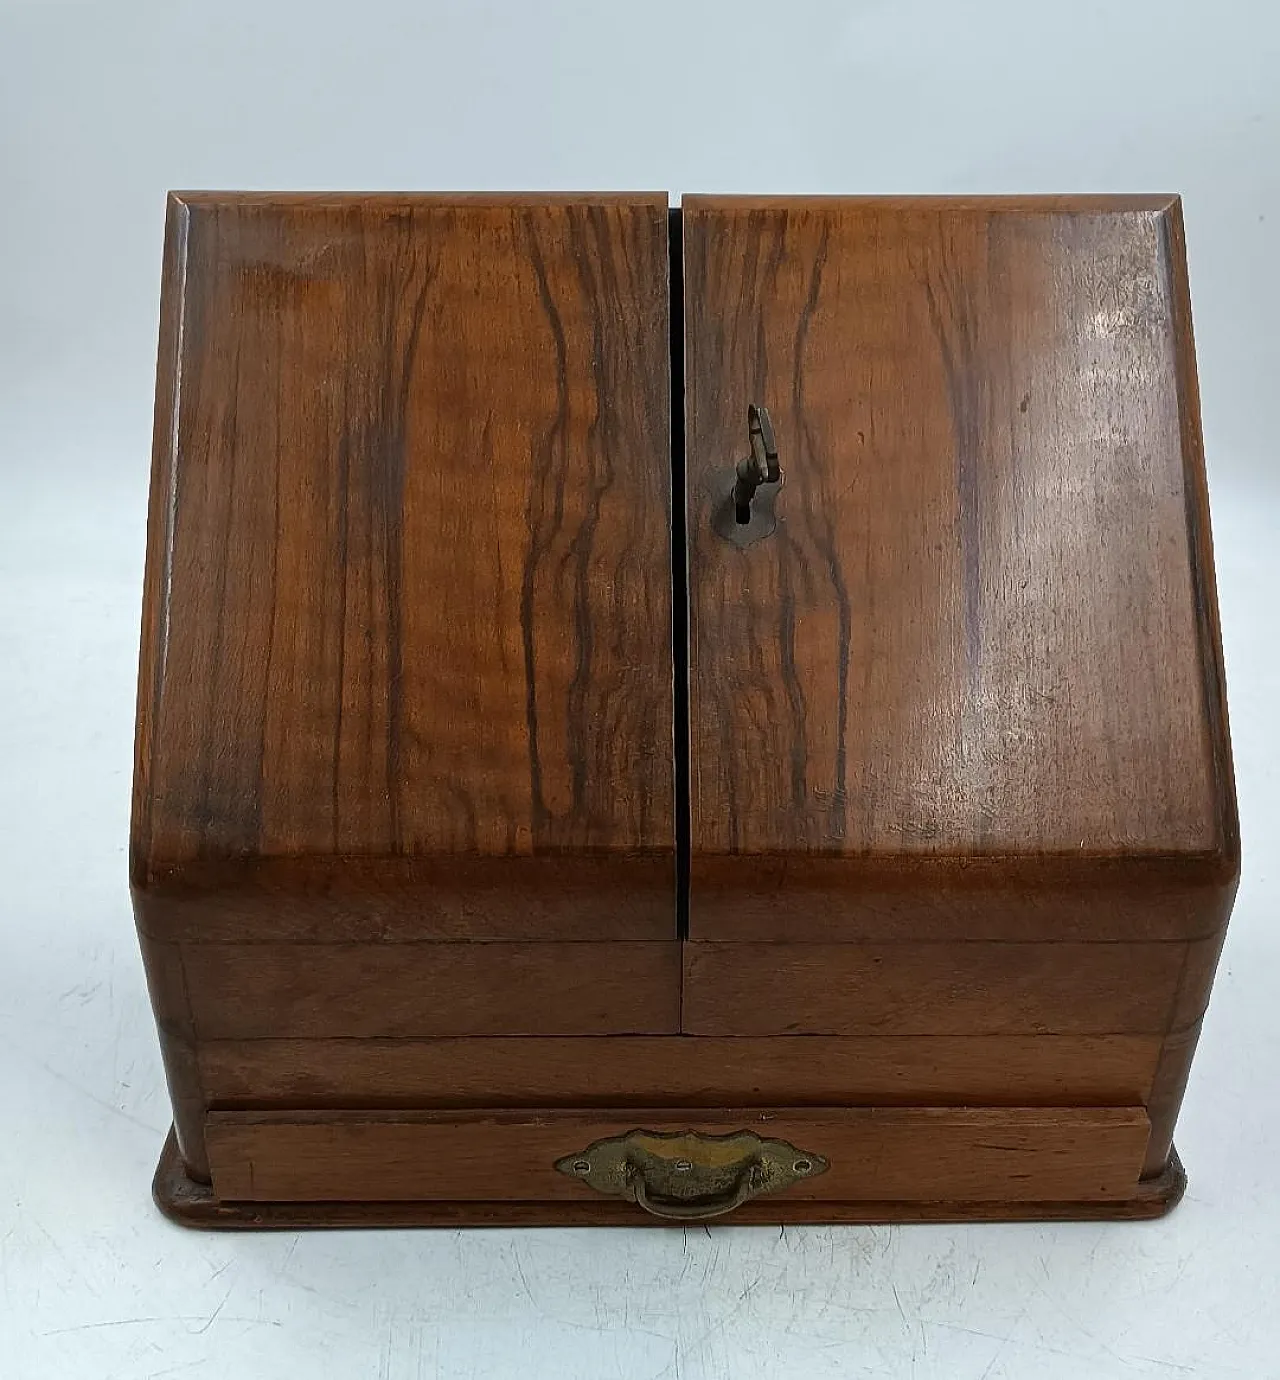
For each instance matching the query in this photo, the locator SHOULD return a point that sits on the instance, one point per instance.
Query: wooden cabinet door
(407, 665)
(958, 677)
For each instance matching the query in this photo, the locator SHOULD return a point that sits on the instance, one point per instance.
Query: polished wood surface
(258, 991)
(959, 1154)
(984, 624)
(408, 590)
(665, 1071)
(941, 989)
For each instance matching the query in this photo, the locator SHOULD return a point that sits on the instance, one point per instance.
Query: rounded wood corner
(185, 1200)
(1162, 1192)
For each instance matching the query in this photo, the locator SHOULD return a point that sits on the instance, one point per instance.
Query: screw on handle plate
(760, 467)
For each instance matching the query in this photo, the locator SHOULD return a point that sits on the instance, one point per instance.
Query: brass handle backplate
(689, 1174)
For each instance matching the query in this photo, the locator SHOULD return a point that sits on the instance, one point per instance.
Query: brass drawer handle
(688, 1174)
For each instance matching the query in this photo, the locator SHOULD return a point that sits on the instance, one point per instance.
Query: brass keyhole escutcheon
(689, 1174)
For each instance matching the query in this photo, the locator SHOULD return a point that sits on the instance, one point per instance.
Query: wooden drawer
(875, 1155)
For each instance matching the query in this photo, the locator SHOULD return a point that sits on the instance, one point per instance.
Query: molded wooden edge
(1200, 538)
(953, 898)
(499, 201)
(1081, 202)
(683, 1071)
(190, 1204)
(588, 897)
(160, 515)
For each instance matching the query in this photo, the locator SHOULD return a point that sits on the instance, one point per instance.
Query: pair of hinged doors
(433, 656)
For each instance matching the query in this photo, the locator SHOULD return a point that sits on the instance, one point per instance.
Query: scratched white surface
(103, 107)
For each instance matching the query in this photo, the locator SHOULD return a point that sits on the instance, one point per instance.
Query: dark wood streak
(218, 636)
(821, 524)
(276, 509)
(542, 532)
(405, 361)
(342, 488)
(788, 573)
(584, 763)
(955, 320)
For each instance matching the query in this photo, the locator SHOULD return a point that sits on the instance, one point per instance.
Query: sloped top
(984, 623)
(409, 564)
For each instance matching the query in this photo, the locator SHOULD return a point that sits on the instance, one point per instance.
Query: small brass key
(760, 467)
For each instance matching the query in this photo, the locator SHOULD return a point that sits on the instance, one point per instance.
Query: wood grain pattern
(893, 1154)
(935, 989)
(349, 991)
(667, 1071)
(984, 625)
(408, 587)
(192, 1204)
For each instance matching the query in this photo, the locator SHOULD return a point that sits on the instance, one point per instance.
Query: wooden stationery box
(702, 711)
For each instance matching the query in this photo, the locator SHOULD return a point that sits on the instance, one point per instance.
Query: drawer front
(872, 1154)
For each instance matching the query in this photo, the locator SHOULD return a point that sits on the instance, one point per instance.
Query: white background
(103, 107)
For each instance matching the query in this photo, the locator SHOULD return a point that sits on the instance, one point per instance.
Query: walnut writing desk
(652, 714)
